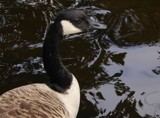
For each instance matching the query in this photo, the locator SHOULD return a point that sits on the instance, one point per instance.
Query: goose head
(76, 21)
(69, 21)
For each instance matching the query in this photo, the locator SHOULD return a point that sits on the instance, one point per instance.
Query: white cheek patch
(69, 28)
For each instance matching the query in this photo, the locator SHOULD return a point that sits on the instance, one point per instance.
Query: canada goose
(61, 97)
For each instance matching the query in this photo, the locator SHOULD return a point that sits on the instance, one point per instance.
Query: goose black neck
(60, 77)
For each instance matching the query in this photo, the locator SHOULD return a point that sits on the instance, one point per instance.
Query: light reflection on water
(118, 68)
(138, 75)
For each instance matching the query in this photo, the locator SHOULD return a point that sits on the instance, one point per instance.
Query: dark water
(118, 68)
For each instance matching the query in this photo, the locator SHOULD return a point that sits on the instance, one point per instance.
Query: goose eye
(77, 20)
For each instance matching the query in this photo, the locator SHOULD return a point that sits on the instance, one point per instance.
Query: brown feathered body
(39, 101)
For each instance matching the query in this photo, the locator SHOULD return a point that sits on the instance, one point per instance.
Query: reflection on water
(22, 28)
(132, 28)
(118, 68)
(132, 84)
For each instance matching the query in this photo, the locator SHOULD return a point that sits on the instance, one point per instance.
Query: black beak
(96, 25)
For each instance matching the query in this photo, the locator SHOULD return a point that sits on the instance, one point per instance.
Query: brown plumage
(32, 101)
